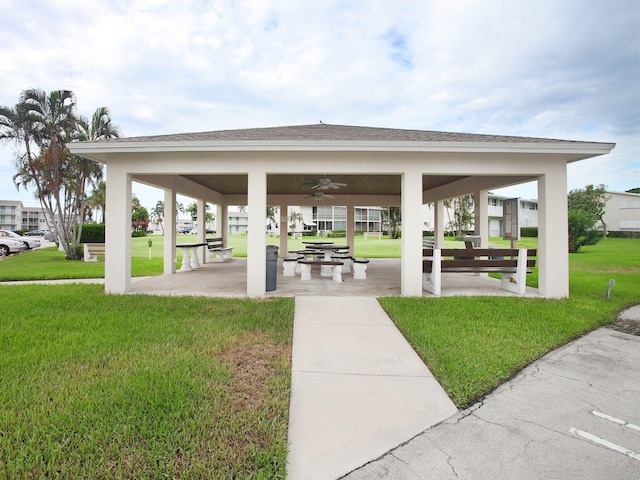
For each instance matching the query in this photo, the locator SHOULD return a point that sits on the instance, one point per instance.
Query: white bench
(377, 235)
(92, 250)
(290, 264)
(305, 269)
(513, 264)
(296, 235)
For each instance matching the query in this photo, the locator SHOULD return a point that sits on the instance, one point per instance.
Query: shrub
(529, 232)
(619, 234)
(138, 233)
(92, 233)
(582, 231)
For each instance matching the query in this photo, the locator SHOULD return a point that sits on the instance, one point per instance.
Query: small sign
(510, 220)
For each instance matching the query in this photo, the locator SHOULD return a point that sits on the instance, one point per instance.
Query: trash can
(272, 267)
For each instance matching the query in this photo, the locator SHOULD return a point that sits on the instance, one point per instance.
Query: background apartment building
(15, 216)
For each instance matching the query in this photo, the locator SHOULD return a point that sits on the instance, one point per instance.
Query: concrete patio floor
(229, 279)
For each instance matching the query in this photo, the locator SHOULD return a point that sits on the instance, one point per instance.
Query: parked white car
(8, 246)
(29, 242)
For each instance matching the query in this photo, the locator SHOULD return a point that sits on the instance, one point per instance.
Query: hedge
(92, 233)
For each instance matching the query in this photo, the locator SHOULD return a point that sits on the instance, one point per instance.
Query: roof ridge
(337, 133)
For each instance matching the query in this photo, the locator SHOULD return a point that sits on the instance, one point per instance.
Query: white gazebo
(380, 166)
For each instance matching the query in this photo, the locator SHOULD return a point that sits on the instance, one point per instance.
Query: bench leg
(360, 271)
(289, 268)
(516, 282)
(337, 273)
(346, 268)
(186, 261)
(432, 282)
(305, 272)
(195, 264)
(87, 255)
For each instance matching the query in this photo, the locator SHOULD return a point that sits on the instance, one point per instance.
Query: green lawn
(49, 263)
(474, 344)
(96, 385)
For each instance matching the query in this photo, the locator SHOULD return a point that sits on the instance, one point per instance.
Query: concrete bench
(217, 252)
(377, 235)
(345, 258)
(513, 264)
(360, 268)
(290, 264)
(91, 250)
(305, 268)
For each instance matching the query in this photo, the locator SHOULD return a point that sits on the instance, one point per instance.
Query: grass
(97, 386)
(146, 387)
(50, 264)
(473, 344)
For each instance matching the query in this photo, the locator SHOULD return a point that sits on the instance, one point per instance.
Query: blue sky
(543, 68)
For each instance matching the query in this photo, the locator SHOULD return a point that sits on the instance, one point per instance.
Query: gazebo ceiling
(301, 184)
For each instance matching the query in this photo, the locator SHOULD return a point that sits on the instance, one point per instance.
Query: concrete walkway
(358, 388)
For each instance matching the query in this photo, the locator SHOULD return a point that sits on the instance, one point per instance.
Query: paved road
(574, 414)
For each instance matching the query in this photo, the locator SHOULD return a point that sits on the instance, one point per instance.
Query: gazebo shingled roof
(327, 132)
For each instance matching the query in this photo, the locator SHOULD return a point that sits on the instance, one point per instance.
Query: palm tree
(157, 214)
(100, 128)
(98, 198)
(14, 128)
(49, 121)
(294, 218)
(43, 124)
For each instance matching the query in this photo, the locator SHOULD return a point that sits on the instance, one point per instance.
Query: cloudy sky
(566, 69)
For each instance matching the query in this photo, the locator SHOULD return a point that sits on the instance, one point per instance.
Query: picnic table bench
(91, 250)
(217, 249)
(336, 268)
(190, 256)
(512, 263)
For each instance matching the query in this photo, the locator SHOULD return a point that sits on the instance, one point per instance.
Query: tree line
(39, 127)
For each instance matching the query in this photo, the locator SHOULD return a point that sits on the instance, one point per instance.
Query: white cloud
(554, 69)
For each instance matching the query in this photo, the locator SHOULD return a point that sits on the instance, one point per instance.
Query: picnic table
(190, 256)
(329, 249)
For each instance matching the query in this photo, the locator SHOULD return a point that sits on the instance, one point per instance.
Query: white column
(411, 263)
(222, 223)
(481, 216)
(256, 239)
(351, 229)
(170, 255)
(117, 266)
(553, 243)
(438, 220)
(284, 230)
(202, 227)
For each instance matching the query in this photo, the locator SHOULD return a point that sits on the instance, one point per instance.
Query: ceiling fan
(319, 195)
(325, 183)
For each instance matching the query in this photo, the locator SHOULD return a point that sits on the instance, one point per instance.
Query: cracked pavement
(526, 429)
